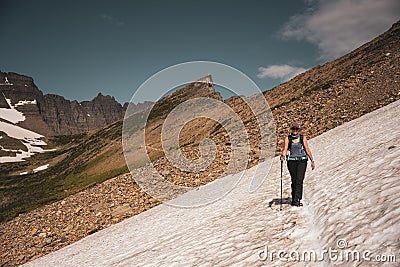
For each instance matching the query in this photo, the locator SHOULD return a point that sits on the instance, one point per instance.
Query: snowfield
(11, 114)
(15, 131)
(351, 204)
(29, 138)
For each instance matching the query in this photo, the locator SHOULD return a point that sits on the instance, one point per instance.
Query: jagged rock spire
(207, 79)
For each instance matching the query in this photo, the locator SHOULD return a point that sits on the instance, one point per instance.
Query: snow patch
(11, 114)
(20, 156)
(6, 82)
(23, 173)
(41, 168)
(26, 102)
(29, 138)
(18, 132)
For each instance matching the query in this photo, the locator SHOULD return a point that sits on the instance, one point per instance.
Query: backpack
(290, 141)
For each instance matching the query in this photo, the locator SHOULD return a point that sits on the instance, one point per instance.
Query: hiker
(299, 153)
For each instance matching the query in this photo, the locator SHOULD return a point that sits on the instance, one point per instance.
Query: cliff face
(69, 117)
(53, 114)
(20, 89)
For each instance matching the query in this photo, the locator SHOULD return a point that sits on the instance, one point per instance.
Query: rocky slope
(321, 99)
(64, 222)
(344, 89)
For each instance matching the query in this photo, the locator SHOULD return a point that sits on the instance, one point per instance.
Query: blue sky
(79, 48)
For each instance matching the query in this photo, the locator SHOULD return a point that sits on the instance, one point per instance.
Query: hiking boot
(297, 204)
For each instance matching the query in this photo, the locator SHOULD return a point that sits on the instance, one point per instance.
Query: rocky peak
(18, 87)
(207, 79)
(102, 100)
(101, 97)
(13, 78)
(204, 87)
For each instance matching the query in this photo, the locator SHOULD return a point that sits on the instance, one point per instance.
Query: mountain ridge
(53, 114)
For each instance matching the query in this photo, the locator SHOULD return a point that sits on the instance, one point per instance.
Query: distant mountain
(133, 108)
(52, 114)
(28, 117)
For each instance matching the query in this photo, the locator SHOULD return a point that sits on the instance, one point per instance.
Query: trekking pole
(281, 183)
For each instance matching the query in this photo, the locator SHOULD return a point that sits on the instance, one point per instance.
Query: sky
(80, 48)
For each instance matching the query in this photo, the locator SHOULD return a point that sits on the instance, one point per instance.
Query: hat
(295, 125)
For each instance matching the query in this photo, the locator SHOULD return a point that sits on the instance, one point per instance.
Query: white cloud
(337, 27)
(282, 72)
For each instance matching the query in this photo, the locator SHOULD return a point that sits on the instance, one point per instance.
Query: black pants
(297, 170)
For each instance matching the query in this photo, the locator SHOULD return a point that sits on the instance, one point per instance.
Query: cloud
(337, 27)
(112, 20)
(282, 72)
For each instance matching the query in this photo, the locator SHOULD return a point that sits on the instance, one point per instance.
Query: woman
(299, 153)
